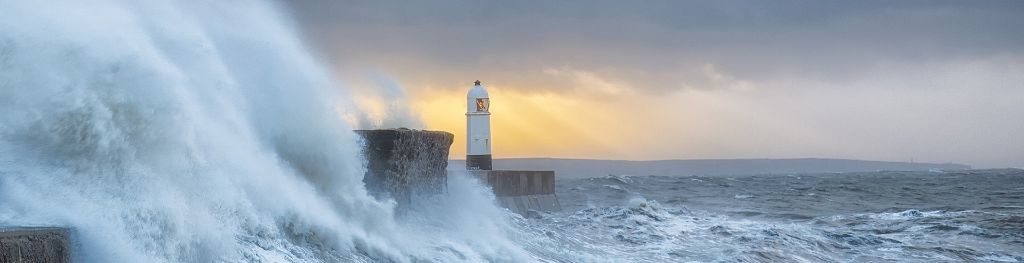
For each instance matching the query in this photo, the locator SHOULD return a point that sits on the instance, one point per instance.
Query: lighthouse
(478, 128)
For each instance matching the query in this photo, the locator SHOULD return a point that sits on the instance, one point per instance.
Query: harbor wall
(38, 244)
(406, 163)
(521, 191)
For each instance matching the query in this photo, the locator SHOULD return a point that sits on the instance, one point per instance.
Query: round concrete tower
(478, 129)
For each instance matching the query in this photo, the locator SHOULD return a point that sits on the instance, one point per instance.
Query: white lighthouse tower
(478, 129)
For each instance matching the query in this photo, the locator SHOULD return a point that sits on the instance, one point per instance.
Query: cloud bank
(925, 80)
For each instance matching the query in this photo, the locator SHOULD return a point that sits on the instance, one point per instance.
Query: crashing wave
(195, 131)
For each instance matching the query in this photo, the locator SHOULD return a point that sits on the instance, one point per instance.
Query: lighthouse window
(481, 105)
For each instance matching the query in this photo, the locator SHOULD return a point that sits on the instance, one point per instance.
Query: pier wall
(409, 165)
(34, 245)
(405, 163)
(522, 191)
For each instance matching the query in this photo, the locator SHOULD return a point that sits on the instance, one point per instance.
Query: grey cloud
(919, 57)
(662, 44)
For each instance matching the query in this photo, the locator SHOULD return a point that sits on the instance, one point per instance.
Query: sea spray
(192, 132)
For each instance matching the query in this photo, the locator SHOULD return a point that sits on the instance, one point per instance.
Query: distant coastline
(576, 168)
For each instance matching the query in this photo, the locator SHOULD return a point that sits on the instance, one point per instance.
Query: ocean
(888, 216)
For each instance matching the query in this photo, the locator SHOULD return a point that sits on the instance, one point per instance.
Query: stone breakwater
(38, 244)
(522, 191)
(405, 163)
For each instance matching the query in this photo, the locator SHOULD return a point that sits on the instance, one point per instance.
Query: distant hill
(590, 168)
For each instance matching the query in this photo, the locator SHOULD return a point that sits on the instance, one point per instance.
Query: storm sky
(928, 81)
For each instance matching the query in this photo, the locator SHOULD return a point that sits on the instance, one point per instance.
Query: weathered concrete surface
(518, 183)
(404, 163)
(524, 204)
(37, 244)
(522, 191)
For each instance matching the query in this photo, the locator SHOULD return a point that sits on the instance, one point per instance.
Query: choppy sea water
(850, 217)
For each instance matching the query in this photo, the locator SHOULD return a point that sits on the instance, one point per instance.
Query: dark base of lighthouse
(478, 162)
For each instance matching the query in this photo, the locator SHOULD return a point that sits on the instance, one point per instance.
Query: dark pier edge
(478, 162)
(34, 244)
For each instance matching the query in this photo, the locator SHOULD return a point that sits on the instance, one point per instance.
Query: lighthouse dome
(477, 100)
(478, 91)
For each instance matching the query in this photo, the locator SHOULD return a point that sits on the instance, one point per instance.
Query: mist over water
(200, 131)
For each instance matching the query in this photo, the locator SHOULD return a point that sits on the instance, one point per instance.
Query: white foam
(182, 131)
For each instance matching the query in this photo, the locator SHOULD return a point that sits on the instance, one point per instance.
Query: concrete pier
(407, 165)
(34, 244)
(404, 163)
(522, 191)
